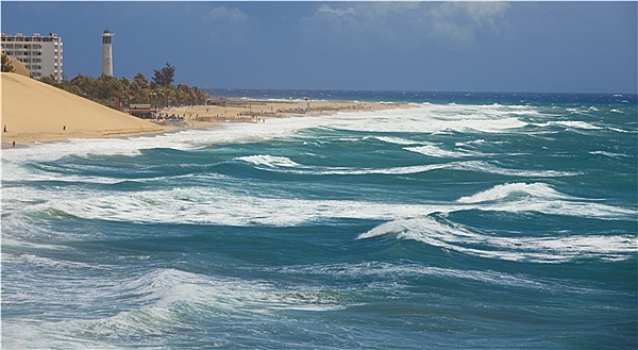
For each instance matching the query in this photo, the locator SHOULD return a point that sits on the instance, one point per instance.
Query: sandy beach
(36, 112)
(244, 110)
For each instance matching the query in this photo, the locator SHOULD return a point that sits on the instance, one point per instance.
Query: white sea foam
(270, 161)
(623, 131)
(210, 205)
(427, 118)
(513, 190)
(560, 207)
(435, 119)
(540, 198)
(455, 237)
(609, 154)
(44, 262)
(182, 140)
(473, 142)
(386, 271)
(166, 301)
(286, 165)
(434, 151)
(486, 167)
(396, 140)
(572, 124)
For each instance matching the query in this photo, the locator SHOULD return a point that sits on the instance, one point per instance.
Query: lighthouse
(107, 53)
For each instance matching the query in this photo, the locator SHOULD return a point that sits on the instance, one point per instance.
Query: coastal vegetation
(6, 63)
(120, 93)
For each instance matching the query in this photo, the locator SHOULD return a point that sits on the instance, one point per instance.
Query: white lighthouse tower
(107, 53)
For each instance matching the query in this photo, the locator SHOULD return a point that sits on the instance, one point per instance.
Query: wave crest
(440, 232)
(514, 190)
(270, 161)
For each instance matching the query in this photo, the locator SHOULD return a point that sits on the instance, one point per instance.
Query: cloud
(350, 24)
(226, 15)
(227, 25)
(452, 25)
(456, 24)
(326, 9)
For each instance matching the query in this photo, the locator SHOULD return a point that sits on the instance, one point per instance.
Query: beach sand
(245, 110)
(36, 112)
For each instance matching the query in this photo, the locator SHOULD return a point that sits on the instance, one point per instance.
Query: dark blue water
(467, 221)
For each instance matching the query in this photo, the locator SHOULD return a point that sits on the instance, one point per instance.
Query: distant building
(141, 110)
(41, 55)
(107, 52)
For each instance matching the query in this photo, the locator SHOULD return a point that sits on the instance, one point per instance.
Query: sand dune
(34, 111)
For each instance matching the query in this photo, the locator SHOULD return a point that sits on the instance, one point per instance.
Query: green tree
(140, 80)
(165, 76)
(49, 79)
(113, 92)
(74, 89)
(182, 95)
(109, 91)
(127, 89)
(200, 96)
(6, 63)
(140, 90)
(86, 85)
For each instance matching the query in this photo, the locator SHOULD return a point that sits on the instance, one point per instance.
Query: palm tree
(85, 84)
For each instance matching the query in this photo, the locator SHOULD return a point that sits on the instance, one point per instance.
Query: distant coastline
(35, 112)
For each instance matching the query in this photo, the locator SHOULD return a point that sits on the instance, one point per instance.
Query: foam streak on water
(487, 221)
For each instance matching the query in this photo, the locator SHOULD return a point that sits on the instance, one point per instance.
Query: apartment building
(42, 55)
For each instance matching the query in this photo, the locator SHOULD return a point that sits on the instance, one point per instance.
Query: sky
(581, 47)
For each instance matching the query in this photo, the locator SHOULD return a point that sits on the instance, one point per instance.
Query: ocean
(472, 221)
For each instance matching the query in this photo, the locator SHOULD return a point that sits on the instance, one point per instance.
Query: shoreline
(205, 117)
(34, 112)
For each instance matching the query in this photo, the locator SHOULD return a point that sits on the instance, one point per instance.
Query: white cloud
(350, 24)
(453, 25)
(484, 13)
(325, 9)
(227, 15)
(227, 25)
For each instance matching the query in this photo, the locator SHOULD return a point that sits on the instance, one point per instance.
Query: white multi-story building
(42, 55)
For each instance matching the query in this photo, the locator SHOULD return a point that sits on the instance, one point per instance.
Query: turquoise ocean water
(469, 221)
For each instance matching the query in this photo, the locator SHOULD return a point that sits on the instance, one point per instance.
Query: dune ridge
(36, 112)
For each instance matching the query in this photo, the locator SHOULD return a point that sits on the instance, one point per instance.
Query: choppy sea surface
(468, 221)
